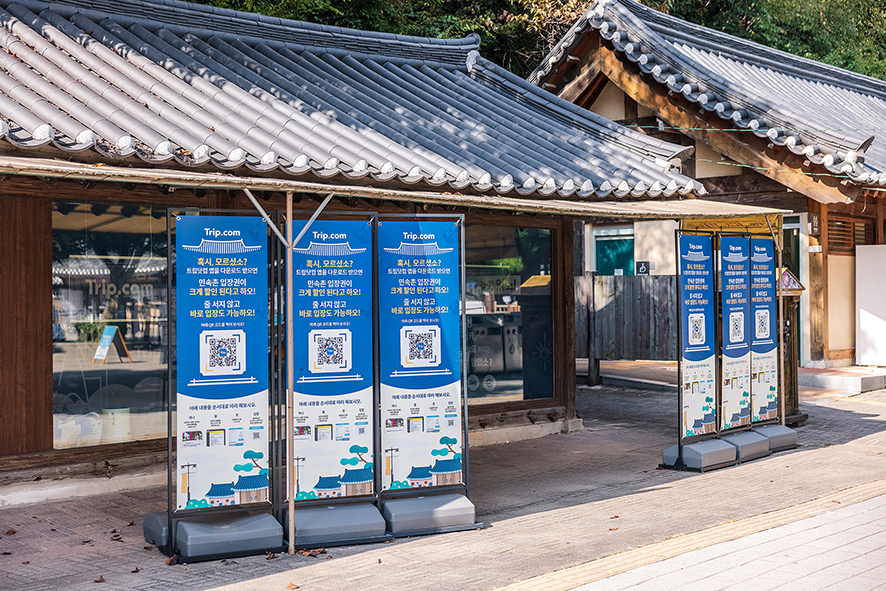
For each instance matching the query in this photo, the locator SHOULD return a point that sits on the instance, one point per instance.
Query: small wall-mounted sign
(815, 248)
(814, 226)
(642, 268)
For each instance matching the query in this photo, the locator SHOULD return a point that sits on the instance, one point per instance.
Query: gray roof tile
(828, 114)
(161, 79)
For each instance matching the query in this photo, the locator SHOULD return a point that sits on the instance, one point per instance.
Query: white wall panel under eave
(870, 305)
(841, 302)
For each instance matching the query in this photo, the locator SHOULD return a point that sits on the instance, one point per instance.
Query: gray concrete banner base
(780, 437)
(337, 524)
(212, 536)
(704, 455)
(428, 514)
(748, 445)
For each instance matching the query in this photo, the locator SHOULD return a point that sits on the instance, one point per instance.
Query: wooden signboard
(111, 336)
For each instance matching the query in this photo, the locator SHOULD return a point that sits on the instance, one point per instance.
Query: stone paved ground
(841, 549)
(551, 504)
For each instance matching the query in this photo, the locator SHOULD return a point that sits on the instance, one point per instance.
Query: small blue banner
(697, 325)
(333, 414)
(222, 360)
(736, 331)
(764, 343)
(419, 287)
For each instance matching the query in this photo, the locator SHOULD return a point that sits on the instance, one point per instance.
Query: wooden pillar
(818, 295)
(25, 325)
(564, 315)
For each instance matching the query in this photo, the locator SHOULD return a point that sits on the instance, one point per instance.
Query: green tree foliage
(517, 34)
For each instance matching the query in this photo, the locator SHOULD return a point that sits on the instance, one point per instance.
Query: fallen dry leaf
(27, 562)
(613, 528)
(10, 532)
(614, 517)
(99, 580)
(149, 547)
(113, 531)
(328, 556)
(172, 560)
(5, 553)
(130, 524)
(138, 568)
(292, 586)
(838, 502)
(270, 556)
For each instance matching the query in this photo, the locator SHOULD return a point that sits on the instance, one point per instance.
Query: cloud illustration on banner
(350, 461)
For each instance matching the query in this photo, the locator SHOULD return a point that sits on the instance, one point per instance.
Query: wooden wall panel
(25, 325)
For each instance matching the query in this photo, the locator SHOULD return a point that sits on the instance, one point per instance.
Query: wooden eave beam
(778, 164)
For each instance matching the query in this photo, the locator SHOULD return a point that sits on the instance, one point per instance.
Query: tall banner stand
(421, 339)
(699, 385)
(219, 501)
(334, 430)
(747, 279)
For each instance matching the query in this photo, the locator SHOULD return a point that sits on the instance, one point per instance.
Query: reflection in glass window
(509, 316)
(109, 326)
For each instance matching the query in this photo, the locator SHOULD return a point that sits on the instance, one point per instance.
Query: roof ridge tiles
(246, 24)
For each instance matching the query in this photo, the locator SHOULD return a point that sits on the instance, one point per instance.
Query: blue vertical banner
(420, 348)
(735, 302)
(221, 269)
(698, 336)
(333, 414)
(764, 343)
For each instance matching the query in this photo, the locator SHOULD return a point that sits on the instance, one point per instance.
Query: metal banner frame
(465, 486)
(682, 439)
(174, 515)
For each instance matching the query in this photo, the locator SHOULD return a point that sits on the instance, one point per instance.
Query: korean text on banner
(420, 352)
(764, 344)
(697, 323)
(332, 319)
(222, 367)
(736, 328)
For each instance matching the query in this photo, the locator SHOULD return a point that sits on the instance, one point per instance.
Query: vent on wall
(845, 233)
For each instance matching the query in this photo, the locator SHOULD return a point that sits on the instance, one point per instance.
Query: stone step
(850, 379)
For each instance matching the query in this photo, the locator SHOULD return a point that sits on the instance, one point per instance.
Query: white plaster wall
(709, 163)
(870, 318)
(610, 103)
(841, 302)
(805, 310)
(654, 242)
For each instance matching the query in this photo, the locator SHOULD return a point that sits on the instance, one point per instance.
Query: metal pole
(290, 376)
(780, 244)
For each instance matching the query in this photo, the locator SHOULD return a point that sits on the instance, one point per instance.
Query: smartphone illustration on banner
(215, 437)
(301, 433)
(394, 425)
(323, 433)
(342, 432)
(235, 436)
(416, 425)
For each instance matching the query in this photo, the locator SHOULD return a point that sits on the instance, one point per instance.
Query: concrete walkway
(556, 503)
(841, 549)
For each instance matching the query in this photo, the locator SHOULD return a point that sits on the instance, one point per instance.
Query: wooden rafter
(778, 164)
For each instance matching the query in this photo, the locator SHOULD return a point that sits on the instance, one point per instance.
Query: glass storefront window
(509, 314)
(108, 280)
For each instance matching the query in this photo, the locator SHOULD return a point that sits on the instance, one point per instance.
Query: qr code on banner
(736, 327)
(420, 346)
(696, 329)
(329, 350)
(762, 324)
(450, 422)
(222, 352)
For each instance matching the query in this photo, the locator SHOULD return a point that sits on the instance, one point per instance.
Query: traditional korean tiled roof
(328, 483)
(358, 476)
(827, 114)
(419, 473)
(250, 483)
(221, 491)
(446, 467)
(163, 80)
